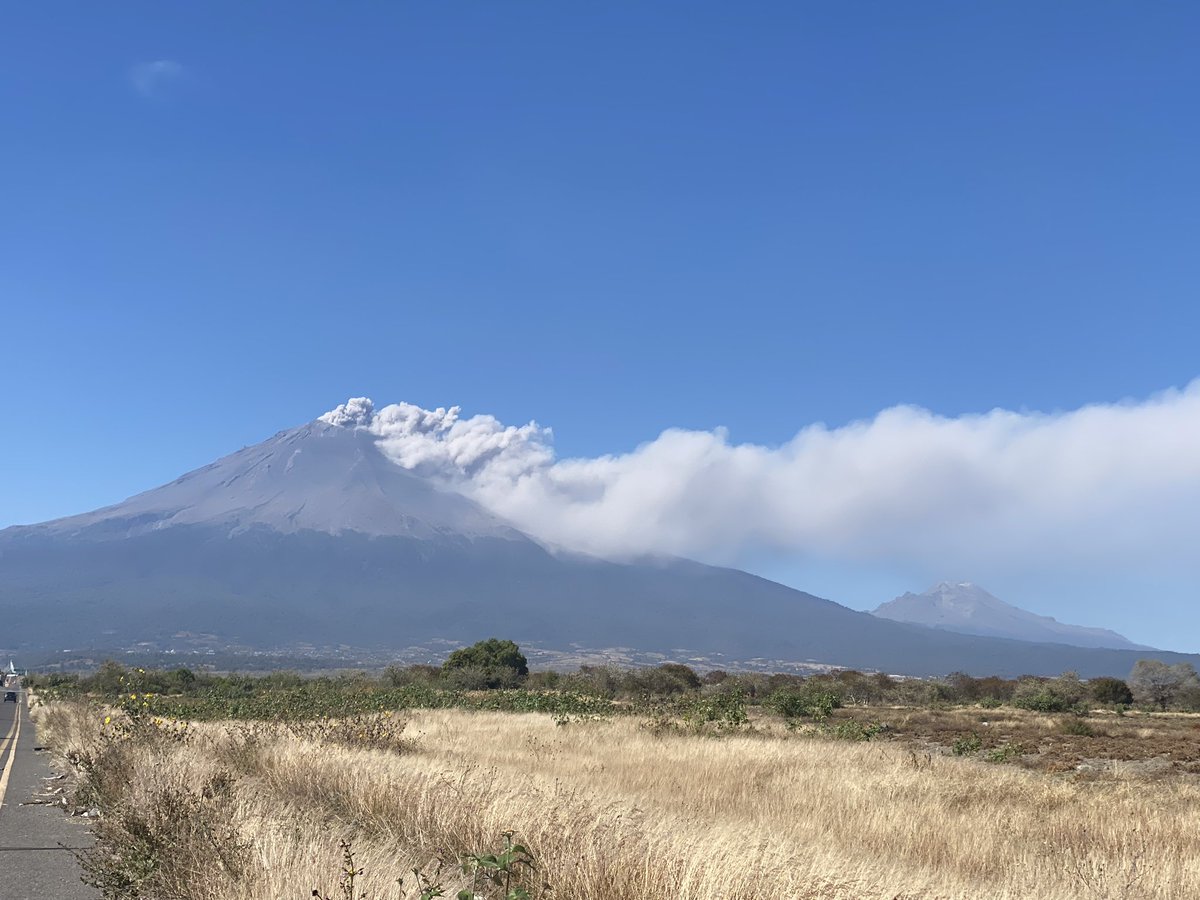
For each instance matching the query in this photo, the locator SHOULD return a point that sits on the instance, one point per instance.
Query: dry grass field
(612, 810)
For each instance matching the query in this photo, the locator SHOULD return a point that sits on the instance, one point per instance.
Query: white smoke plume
(1105, 485)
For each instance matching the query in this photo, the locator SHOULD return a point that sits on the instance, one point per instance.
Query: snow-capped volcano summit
(969, 609)
(327, 476)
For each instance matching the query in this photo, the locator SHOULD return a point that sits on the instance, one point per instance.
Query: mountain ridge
(967, 608)
(320, 476)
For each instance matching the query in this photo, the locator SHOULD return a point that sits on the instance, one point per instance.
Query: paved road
(35, 863)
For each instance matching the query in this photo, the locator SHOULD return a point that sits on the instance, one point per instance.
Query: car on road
(10, 695)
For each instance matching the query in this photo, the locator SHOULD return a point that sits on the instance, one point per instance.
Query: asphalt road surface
(36, 839)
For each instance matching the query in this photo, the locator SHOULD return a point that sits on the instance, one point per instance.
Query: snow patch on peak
(355, 412)
(953, 586)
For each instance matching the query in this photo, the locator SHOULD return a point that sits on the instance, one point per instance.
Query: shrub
(726, 710)
(544, 681)
(1004, 753)
(967, 745)
(109, 678)
(1060, 694)
(1000, 689)
(398, 676)
(598, 681)
(963, 687)
(685, 675)
(368, 731)
(1077, 727)
(803, 703)
(1154, 683)
(1110, 691)
(1040, 700)
(156, 847)
(666, 680)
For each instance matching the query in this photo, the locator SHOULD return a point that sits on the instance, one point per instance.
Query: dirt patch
(1133, 744)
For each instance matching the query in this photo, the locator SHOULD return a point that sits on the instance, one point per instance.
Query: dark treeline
(1151, 685)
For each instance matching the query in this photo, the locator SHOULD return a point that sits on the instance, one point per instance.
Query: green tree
(686, 674)
(182, 680)
(502, 660)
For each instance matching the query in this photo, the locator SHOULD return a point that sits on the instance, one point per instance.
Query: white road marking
(14, 734)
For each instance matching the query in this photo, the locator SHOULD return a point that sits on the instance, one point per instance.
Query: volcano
(316, 537)
(967, 608)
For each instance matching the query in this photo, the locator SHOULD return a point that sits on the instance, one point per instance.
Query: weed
(1004, 753)
(156, 846)
(1077, 727)
(350, 872)
(967, 745)
(365, 731)
(852, 730)
(505, 869)
(1101, 880)
(920, 762)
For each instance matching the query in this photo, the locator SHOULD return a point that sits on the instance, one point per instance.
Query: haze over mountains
(315, 536)
(969, 609)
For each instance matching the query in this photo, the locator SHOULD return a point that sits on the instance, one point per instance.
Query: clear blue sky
(613, 218)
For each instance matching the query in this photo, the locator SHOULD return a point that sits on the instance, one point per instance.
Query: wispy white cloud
(1111, 486)
(152, 79)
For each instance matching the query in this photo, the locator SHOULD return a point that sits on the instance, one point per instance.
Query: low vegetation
(656, 783)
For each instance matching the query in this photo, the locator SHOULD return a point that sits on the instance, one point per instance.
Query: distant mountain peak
(967, 608)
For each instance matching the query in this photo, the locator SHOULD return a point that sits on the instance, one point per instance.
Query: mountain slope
(969, 609)
(315, 537)
(318, 477)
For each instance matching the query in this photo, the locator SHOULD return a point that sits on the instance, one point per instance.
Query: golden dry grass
(613, 812)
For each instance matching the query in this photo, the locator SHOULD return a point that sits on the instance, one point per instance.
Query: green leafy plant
(505, 869)
(967, 745)
(726, 711)
(803, 703)
(1004, 753)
